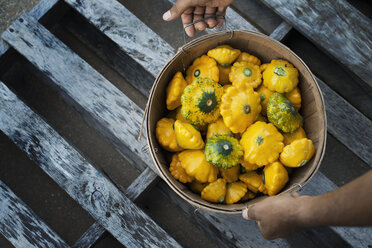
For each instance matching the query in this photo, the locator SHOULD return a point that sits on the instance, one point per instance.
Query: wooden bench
(137, 54)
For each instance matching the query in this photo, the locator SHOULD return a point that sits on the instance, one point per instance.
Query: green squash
(201, 101)
(223, 151)
(283, 114)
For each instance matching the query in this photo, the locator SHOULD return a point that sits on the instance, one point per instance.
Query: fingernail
(245, 214)
(167, 15)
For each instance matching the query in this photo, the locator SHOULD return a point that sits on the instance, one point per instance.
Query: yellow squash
(179, 115)
(224, 74)
(235, 191)
(262, 143)
(203, 67)
(264, 94)
(226, 86)
(240, 107)
(263, 67)
(296, 135)
(276, 177)
(249, 195)
(195, 165)
(245, 72)
(215, 191)
(175, 90)
(248, 58)
(166, 135)
(248, 166)
(294, 97)
(178, 172)
(187, 136)
(254, 181)
(197, 187)
(231, 175)
(224, 54)
(280, 76)
(298, 153)
(218, 128)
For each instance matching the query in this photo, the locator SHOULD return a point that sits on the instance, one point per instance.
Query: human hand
(279, 216)
(194, 10)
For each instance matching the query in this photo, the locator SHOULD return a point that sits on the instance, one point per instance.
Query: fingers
(199, 15)
(250, 213)
(220, 20)
(210, 11)
(295, 194)
(176, 11)
(187, 18)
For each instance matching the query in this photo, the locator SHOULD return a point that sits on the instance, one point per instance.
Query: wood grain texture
(115, 21)
(21, 226)
(42, 8)
(281, 31)
(100, 103)
(90, 236)
(336, 27)
(72, 172)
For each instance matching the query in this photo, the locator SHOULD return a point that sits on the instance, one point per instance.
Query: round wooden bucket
(265, 48)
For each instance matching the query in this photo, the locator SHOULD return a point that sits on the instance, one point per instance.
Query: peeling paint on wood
(21, 226)
(90, 236)
(94, 192)
(336, 27)
(42, 8)
(281, 31)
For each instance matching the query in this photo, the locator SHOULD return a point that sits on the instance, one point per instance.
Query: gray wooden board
(101, 104)
(336, 27)
(140, 185)
(21, 226)
(123, 37)
(90, 236)
(115, 21)
(281, 31)
(94, 192)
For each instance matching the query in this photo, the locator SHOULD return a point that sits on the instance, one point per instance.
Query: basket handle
(216, 16)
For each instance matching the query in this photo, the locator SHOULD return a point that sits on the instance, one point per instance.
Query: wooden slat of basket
(281, 27)
(94, 192)
(21, 226)
(336, 27)
(140, 185)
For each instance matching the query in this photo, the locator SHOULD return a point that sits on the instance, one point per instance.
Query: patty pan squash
(280, 76)
(298, 153)
(262, 143)
(202, 67)
(166, 135)
(240, 107)
(275, 177)
(223, 151)
(226, 86)
(197, 187)
(174, 91)
(296, 135)
(294, 97)
(248, 166)
(195, 165)
(201, 101)
(215, 191)
(178, 172)
(187, 136)
(263, 67)
(244, 56)
(249, 195)
(231, 174)
(224, 54)
(218, 128)
(235, 191)
(245, 72)
(254, 181)
(224, 74)
(264, 94)
(283, 114)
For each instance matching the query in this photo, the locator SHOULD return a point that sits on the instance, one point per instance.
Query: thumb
(249, 213)
(177, 9)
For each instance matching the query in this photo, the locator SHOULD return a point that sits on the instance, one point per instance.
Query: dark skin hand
(194, 10)
(350, 205)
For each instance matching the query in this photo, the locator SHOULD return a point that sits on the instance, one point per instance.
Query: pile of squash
(234, 129)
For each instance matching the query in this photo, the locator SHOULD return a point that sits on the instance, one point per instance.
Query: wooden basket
(265, 48)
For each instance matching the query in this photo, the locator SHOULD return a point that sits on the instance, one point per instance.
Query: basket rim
(183, 49)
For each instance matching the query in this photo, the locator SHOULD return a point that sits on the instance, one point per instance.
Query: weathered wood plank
(281, 31)
(90, 237)
(101, 104)
(115, 21)
(21, 226)
(140, 185)
(336, 27)
(94, 192)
